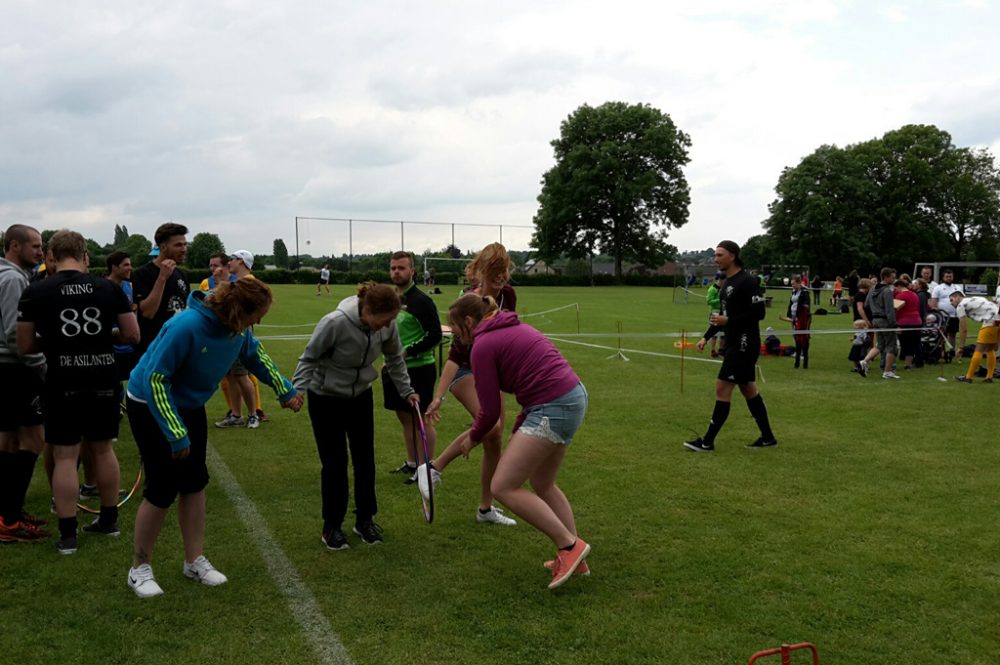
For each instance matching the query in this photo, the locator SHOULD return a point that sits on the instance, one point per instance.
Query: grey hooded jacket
(338, 359)
(13, 282)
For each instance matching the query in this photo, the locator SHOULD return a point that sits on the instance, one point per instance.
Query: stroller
(934, 340)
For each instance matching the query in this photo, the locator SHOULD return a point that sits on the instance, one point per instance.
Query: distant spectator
(940, 300)
(927, 274)
(324, 279)
(861, 311)
(859, 345)
(879, 300)
(714, 304)
(919, 286)
(985, 312)
(799, 316)
(817, 287)
(838, 290)
(907, 318)
(852, 283)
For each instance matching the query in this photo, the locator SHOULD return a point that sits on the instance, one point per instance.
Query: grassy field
(870, 530)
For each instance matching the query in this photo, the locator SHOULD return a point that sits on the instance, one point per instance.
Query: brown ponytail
(379, 299)
(233, 301)
(474, 306)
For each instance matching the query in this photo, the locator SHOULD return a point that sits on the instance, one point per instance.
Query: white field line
(318, 632)
(693, 335)
(639, 351)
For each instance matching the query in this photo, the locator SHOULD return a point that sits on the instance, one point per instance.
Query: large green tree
(617, 186)
(138, 247)
(201, 248)
(908, 196)
(280, 253)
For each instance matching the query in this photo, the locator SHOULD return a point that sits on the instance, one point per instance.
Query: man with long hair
(741, 310)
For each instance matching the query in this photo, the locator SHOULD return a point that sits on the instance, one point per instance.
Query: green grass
(871, 530)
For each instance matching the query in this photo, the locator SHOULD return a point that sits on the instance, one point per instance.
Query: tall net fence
(338, 236)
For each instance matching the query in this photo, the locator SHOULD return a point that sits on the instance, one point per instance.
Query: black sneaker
(699, 445)
(962, 379)
(761, 442)
(335, 540)
(370, 532)
(863, 368)
(97, 527)
(89, 492)
(66, 545)
(405, 468)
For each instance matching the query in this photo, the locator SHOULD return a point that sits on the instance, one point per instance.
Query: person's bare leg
(148, 524)
(406, 420)
(544, 483)
(65, 487)
(191, 517)
(525, 457)
(106, 470)
(247, 392)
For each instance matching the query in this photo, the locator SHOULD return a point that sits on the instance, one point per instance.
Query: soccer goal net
(433, 266)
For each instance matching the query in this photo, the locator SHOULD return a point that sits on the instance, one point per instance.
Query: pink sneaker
(566, 563)
(582, 569)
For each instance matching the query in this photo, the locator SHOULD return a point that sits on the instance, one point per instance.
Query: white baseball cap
(244, 256)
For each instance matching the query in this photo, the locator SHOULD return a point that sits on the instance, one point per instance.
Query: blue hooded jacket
(182, 368)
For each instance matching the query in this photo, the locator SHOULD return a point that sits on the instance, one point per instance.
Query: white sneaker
(494, 516)
(142, 582)
(890, 375)
(253, 422)
(421, 475)
(200, 569)
(231, 421)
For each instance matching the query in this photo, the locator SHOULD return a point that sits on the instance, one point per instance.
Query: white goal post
(446, 264)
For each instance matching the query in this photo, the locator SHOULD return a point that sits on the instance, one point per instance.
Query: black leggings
(338, 423)
(909, 341)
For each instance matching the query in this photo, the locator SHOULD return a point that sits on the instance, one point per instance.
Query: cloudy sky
(235, 117)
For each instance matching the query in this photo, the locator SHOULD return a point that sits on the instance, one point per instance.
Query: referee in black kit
(740, 313)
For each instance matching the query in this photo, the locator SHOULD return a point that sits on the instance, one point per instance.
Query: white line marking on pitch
(318, 631)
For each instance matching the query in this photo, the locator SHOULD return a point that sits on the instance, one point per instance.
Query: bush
(598, 280)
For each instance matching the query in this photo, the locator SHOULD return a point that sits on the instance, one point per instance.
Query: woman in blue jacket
(167, 392)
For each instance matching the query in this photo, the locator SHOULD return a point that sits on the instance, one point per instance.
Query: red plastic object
(785, 650)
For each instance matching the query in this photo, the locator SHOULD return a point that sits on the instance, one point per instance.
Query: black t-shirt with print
(74, 313)
(175, 295)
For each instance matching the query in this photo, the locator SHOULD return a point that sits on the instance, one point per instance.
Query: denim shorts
(460, 374)
(558, 420)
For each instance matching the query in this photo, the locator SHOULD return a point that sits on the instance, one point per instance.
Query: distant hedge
(449, 278)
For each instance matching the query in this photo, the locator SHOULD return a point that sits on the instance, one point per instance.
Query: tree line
(911, 195)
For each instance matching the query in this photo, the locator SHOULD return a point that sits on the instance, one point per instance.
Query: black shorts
(81, 415)
(126, 362)
(952, 325)
(167, 477)
(739, 367)
(20, 396)
(421, 379)
(238, 369)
